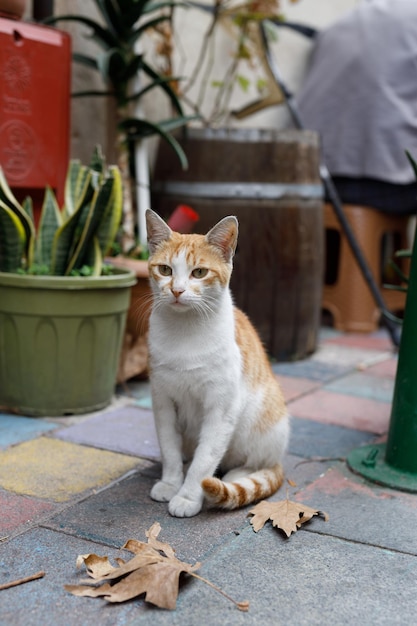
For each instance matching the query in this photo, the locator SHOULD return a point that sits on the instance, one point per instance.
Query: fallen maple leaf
(286, 515)
(154, 570)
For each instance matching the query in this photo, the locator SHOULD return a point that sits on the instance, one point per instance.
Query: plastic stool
(346, 294)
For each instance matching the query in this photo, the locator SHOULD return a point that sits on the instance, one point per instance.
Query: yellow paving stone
(57, 470)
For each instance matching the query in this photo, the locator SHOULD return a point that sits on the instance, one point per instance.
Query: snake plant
(69, 238)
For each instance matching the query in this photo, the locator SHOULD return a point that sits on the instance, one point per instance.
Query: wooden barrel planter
(270, 180)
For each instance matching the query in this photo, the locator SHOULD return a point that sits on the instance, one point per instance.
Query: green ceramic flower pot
(60, 341)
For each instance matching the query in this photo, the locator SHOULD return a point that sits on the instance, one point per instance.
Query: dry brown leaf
(286, 515)
(154, 570)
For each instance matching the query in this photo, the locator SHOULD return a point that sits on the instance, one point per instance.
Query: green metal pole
(401, 450)
(395, 463)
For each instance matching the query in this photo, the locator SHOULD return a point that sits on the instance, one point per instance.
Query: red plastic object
(183, 218)
(35, 67)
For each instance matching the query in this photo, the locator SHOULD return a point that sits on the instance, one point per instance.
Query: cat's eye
(199, 272)
(165, 270)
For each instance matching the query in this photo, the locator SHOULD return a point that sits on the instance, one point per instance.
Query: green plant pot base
(61, 411)
(369, 462)
(60, 342)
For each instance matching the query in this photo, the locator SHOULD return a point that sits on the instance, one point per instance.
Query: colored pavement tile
(127, 429)
(363, 385)
(365, 341)
(138, 390)
(294, 387)
(333, 354)
(19, 511)
(362, 511)
(384, 369)
(310, 439)
(57, 470)
(322, 580)
(343, 410)
(45, 601)
(125, 510)
(308, 579)
(15, 429)
(313, 370)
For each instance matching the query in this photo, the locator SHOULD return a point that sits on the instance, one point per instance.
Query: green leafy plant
(122, 66)
(68, 241)
(243, 68)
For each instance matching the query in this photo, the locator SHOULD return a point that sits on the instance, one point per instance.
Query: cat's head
(190, 272)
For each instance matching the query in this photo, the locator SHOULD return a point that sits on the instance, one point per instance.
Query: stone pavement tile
(134, 388)
(137, 390)
(144, 403)
(362, 511)
(343, 410)
(349, 357)
(15, 428)
(367, 341)
(57, 470)
(384, 369)
(126, 429)
(45, 601)
(311, 439)
(125, 511)
(301, 473)
(294, 387)
(328, 332)
(19, 511)
(307, 580)
(363, 385)
(313, 370)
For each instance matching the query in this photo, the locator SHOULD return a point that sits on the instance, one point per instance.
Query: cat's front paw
(184, 507)
(163, 492)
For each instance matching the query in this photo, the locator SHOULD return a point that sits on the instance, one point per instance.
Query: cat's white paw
(163, 492)
(183, 507)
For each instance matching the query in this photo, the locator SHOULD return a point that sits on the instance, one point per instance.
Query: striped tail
(251, 488)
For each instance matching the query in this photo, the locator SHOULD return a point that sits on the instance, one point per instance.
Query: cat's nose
(177, 292)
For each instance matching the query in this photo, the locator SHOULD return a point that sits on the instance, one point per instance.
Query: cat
(215, 397)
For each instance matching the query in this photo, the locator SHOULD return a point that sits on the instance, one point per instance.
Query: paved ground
(77, 485)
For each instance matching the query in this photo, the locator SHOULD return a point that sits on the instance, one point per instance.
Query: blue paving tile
(15, 429)
(129, 430)
(364, 386)
(126, 510)
(314, 370)
(139, 391)
(327, 332)
(45, 601)
(311, 439)
(144, 403)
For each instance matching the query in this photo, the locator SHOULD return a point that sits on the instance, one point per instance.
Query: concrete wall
(93, 118)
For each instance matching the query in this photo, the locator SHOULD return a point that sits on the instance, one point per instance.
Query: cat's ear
(224, 236)
(157, 230)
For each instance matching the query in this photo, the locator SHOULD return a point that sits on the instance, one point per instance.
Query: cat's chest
(195, 372)
(193, 348)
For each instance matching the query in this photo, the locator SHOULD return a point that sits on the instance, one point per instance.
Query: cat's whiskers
(205, 309)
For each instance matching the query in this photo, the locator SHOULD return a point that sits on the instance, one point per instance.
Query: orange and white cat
(215, 398)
